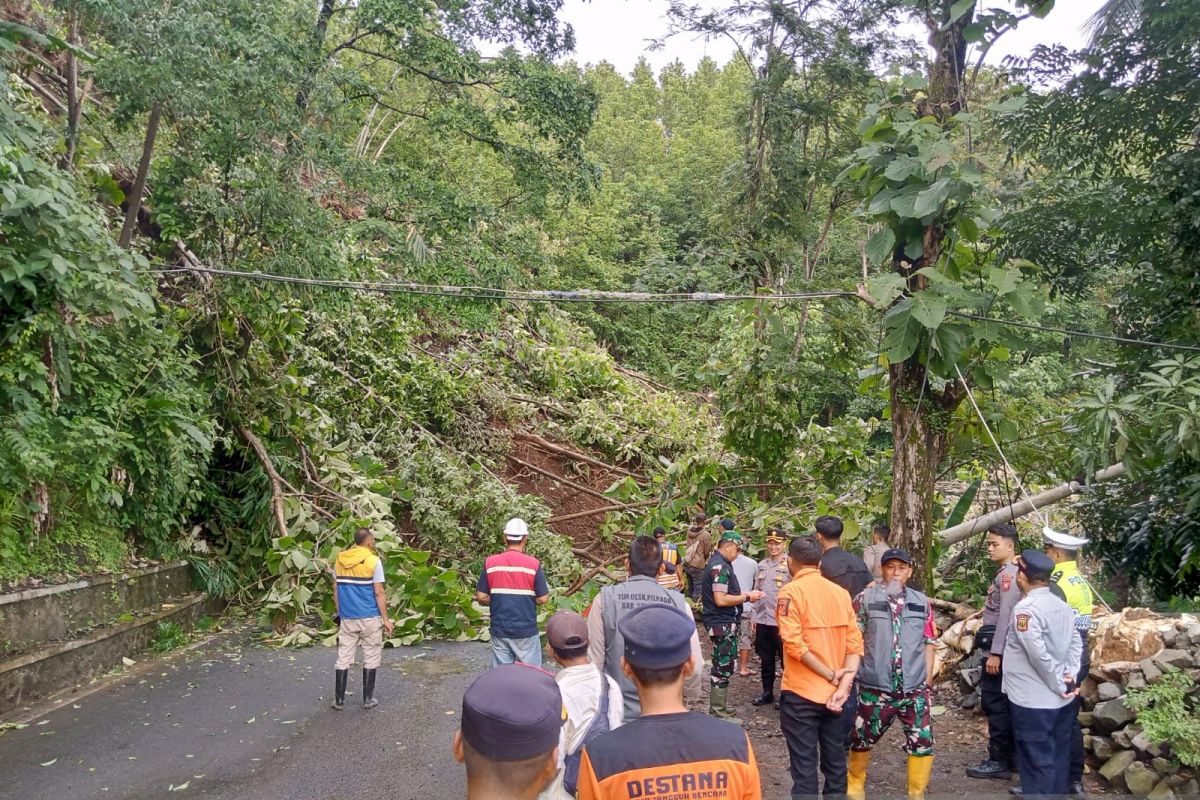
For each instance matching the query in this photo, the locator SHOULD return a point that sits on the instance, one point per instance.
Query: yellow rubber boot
(856, 774)
(919, 769)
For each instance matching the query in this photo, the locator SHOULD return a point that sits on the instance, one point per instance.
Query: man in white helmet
(513, 584)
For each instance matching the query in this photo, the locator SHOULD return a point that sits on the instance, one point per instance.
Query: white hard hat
(1064, 540)
(516, 529)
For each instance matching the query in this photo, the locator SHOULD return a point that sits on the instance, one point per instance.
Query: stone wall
(1132, 650)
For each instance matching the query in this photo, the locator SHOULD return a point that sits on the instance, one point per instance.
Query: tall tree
(923, 184)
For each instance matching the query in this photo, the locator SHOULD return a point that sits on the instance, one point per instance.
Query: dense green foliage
(251, 426)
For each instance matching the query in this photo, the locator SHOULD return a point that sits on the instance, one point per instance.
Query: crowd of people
(855, 646)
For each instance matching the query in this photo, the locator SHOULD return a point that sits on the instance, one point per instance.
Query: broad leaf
(886, 287)
(929, 308)
(879, 247)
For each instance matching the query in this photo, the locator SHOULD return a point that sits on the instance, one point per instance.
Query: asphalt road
(235, 719)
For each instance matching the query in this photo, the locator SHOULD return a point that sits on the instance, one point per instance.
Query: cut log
(562, 451)
(1019, 509)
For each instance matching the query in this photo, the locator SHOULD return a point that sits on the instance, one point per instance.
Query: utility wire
(1083, 334)
(595, 296)
(503, 295)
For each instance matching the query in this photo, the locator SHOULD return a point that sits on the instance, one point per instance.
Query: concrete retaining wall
(42, 672)
(33, 617)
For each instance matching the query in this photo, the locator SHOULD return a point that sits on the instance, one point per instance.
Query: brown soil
(564, 499)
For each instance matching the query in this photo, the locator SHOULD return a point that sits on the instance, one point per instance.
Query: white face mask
(894, 588)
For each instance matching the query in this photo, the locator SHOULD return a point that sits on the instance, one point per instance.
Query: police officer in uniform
(1002, 595)
(770, 576)
(723, 599)
(1042, 652)
(1062, 549)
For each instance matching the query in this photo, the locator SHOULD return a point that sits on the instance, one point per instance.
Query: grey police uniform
(1002, 595)
(1040, 651)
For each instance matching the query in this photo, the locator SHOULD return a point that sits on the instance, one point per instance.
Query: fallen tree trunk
(562, 451)
(1019, 509)
(604, 510)
(272, 474)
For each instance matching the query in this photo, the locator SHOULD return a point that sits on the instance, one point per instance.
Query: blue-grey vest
(619, 600)
(876, 669)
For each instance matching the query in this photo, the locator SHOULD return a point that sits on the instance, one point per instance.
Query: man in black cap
(1041, 658)
(668, 751)
(723, 601)
(511, 717)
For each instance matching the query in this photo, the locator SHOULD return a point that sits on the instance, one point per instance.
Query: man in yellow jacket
(360, 608)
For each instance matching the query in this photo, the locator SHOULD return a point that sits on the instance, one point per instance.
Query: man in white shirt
(580, 683)
(745, 567)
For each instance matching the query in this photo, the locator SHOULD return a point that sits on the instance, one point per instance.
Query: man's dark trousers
(995, 704)
(1043, 748)
(695, 576)
(810, 727)
(769, 647)
(1075, 774)
(849, 712)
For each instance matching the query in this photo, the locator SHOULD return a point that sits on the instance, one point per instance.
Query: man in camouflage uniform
(723, 599)
(898, 640)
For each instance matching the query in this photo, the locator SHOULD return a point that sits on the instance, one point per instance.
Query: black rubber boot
(989, 769)
(763, 699)
(340, 676)
(369, 700)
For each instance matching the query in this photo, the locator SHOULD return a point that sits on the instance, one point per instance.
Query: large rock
(1173, 660)
(1130, 635)
(1111, 715)
(1151, 671)
(1108, 691)
(1164, 766)
(1189, 789)
(1140, 779)
(1102, 747)
(1089, 692)
(1115, 767)
(1161, 791)
(1137, 680)
(1124, 738)
(1144, 744)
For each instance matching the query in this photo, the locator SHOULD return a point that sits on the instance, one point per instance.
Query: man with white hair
(513, 584)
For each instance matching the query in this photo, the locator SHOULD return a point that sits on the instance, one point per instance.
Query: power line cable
(597, 296)
(1083, 334)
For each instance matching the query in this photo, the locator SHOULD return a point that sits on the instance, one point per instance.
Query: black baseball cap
(896, 554)
(1036, 565)
(513, 712)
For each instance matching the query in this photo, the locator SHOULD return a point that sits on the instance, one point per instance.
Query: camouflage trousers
(877, 710)
(724, 653)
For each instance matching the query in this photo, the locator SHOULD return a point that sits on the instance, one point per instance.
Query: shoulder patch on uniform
(1006, 581)
(1023, 622)
(781, 607)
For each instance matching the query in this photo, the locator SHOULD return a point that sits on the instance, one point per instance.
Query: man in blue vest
(899, 641)
(360, 611)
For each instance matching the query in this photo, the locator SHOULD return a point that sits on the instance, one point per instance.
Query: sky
(618, 31)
